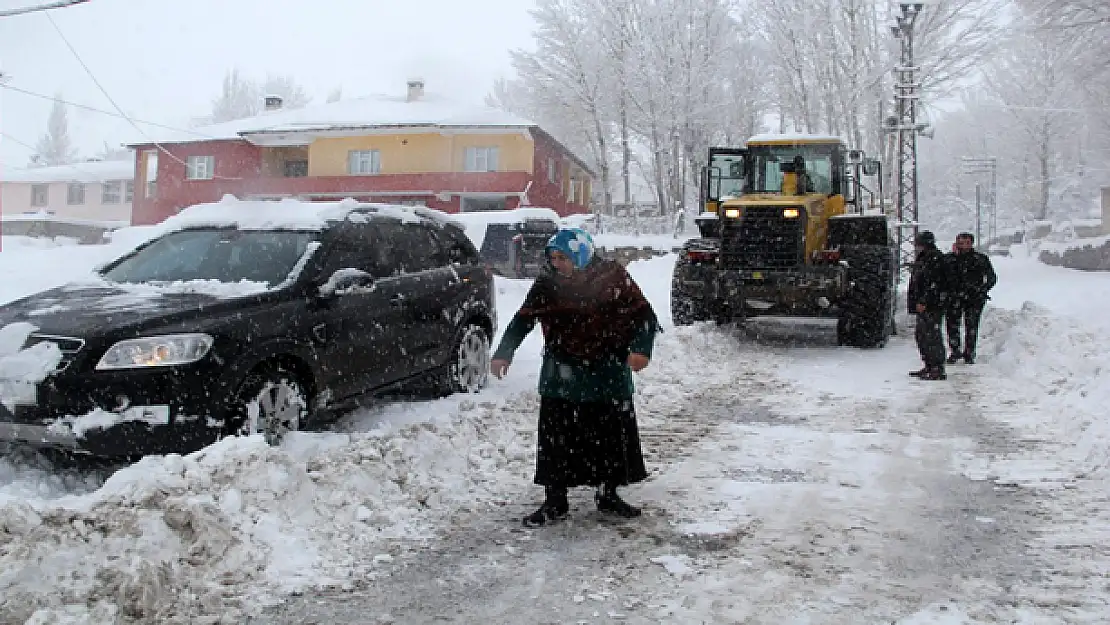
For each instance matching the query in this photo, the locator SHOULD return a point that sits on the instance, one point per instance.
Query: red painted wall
(547, 194)
(238, 163)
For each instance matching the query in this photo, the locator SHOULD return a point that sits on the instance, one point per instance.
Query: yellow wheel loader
(789, 229)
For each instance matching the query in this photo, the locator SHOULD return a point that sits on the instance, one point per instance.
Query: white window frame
(128, 191)
(150, 189)
(75, 194)
(481, 159)
(364, 162)
(552, 171)
(200, 167)
(45, 188)
(572, 191)
(111, 192)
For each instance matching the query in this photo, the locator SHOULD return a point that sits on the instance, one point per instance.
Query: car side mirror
(345, 281)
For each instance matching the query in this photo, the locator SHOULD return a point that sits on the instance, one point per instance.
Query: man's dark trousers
(930, 340)
(969, 313)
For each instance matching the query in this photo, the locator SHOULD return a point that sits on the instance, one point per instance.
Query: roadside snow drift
(200, 538)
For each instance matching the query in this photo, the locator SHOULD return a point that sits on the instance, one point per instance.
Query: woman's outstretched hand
(499, 367)
(637, 362)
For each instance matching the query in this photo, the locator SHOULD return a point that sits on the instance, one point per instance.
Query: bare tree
(55, 147)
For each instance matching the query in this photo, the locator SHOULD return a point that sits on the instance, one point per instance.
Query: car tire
(468, 370)
(271, 401)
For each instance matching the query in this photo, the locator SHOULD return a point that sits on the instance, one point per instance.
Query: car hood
(85, 309)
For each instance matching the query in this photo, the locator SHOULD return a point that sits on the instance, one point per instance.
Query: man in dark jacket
(927, 298)
(973, 277)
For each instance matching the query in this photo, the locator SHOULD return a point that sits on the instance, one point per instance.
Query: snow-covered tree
(242, 97)
(55, 147)
(293, 96)
(238, 98)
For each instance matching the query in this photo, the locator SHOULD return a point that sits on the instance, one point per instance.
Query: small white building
(88, 191)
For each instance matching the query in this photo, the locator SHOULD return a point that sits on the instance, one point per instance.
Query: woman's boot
(609, 501)
(554, 508)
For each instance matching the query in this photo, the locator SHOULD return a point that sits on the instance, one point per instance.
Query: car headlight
(156, 351)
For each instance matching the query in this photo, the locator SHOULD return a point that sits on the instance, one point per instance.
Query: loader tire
(867, 309)
(687, 307)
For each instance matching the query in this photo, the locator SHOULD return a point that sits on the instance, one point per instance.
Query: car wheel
(272, 402)
(470, 360)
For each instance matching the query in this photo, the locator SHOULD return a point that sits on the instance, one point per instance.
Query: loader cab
(725, 176)
(818, 162)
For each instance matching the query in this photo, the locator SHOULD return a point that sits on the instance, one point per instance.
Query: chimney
(273, 102)
(416, 90)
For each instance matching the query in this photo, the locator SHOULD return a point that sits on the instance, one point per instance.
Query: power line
(88, 71)
(61, 4)
(93, 109)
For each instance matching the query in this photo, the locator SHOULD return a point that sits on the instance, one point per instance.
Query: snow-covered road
(791, 484)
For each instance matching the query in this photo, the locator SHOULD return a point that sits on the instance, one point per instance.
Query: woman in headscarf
(598, 328)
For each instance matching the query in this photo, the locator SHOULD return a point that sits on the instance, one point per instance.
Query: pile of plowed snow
(205, 538)
(1056, 368)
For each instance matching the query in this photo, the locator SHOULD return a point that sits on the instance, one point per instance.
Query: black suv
(220, 327)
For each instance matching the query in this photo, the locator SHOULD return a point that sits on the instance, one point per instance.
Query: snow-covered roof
(287, 214)
(88, 172)
(794, 137)
(378, 111)
(476, 223)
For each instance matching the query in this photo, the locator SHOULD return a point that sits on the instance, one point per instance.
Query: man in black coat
(973, 277)
(927, 298)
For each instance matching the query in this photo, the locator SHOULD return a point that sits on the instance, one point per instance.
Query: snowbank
(211, 536)
(1057, 367)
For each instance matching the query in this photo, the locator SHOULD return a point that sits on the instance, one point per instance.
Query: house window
(110, 192)
(40, 195)
(128, 191)
(572, 195)
(151, 173)
(362, 162)
(76, 194)
(552, 173)
(296, 169)
(200, 167)
(481, 159)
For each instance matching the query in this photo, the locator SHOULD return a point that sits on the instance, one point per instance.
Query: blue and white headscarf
(576, 243)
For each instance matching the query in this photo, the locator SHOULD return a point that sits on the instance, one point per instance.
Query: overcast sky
(164, 60)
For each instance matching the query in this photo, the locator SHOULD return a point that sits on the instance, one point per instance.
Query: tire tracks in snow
(832, 546)
(486, 567)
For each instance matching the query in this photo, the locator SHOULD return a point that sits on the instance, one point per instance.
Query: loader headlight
(790, 213)
(732, 213)
(156, 351)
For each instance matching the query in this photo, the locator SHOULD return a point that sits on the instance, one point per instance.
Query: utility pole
(905, 127)
(978, 166)
(978, 214)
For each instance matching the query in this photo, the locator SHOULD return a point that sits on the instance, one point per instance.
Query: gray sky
(164, 60)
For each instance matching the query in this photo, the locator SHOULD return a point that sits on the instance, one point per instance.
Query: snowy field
(793, 482)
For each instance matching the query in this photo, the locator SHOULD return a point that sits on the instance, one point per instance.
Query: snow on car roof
(476, 223)
(288, 214)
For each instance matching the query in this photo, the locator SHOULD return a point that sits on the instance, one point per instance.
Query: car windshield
(224, 255)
